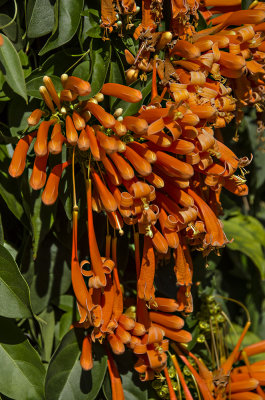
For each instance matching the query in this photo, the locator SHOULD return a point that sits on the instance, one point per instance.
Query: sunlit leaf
(249, 238)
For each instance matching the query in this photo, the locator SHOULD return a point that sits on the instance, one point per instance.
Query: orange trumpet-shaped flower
(18, 161)
(86, 359)
(135, 124)
(35, 117)
(96, 260)
(79, 121)
(167, 320)
(140, 164)
(242, 386)
(116, 344)
(175, 167)
(164, 304)
(106, 197)
(77, 85)
(57, 139)
(93, 142)
(41, 145)
(116, 385)
(71, 132)
(38, 176)
(50, 193)
(125, 93)
(145, 284)
(185, 49)
(83, 141)
(52, 91)
(105, 119)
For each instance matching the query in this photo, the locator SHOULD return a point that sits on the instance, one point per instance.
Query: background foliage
(39, 355)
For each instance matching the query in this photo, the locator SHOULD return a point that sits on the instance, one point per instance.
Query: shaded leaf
(11, 31)
(14, 291)
(68, 21)
(49, 275)
(11, 67)
(47, 333)
(92, 23)
(65, 378)
(100, 59)
(245, 4)
(83, 70)
(202, 24)
(249, 238)
(40, 18)
(22, 375)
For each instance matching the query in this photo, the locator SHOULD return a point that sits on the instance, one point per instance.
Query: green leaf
(40, 216)
(249, 238)
(258, 153)
(245, 4)
(100, 59)
(11, 67)
(65, 378)
(133, 388)
(83, 70)
(202, 24)
(14, 291)
(47, 332)
(22, 373)
(49, 275)
(133, 108)
(58, 63)
(92, 23)
(116, 74)
(33, 85)
(68, 21)
(11, 31)
(40, 18)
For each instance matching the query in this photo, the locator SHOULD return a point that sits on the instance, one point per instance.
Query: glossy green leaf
(40, 18)
(133, 108)
(22, 373)
(83, 70)
(249, 238)
(100, 59)
(68, 20)
(65, 378)
(92, 23)
(133, 388)
(14, 291)
(11, 67)
(116, 74)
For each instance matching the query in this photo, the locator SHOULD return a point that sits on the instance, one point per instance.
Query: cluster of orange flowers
(160, 171)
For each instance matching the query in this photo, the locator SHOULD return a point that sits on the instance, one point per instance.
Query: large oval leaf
(14, 291)
(67, 24)
(40, 18)
(11, 67)
(65, 378)
(22, 373)
(249, 238)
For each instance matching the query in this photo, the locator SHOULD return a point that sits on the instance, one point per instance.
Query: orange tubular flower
(86, 359)
(145, 284)
(106, 119)
(122, 92)
(96, 260)
(38, 176)
(18, 161)
(41, 145)
(50, 193)
(116, 385)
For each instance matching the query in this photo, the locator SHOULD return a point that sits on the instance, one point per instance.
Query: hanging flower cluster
(160, 171)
